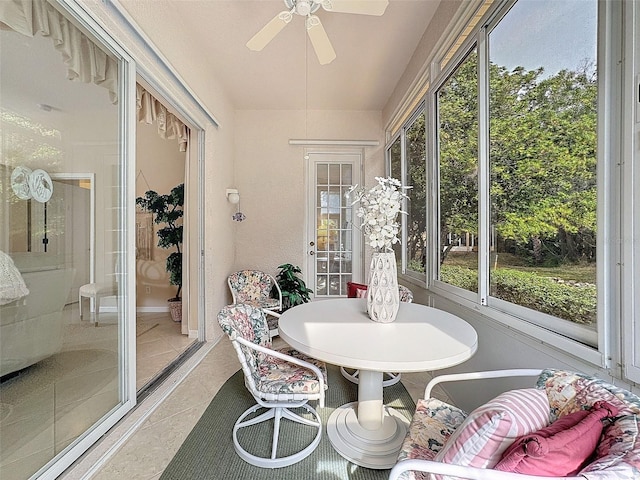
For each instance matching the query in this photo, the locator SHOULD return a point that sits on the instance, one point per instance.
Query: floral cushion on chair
(569, 392)
(433, 423)
(618, 453)
(254, 287)
(280, 377)
(272, 377)
(406, 295)
(269, 303)
(245, 321)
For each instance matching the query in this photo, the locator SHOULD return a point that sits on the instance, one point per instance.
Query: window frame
(465, 49)
(598, 348)
(630, 229)
(420, 278)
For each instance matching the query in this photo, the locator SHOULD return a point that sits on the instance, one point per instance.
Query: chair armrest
(471, 473)
(232, 290)
(275, 283)
(288, 358)
(268, 311)
(518, 372)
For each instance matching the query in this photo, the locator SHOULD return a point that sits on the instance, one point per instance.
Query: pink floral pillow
(562, 448)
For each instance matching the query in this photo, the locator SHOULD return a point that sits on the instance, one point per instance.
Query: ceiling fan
(315, 30)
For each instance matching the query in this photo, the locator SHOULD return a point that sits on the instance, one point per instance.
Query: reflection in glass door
(334, 245)
(61, 376)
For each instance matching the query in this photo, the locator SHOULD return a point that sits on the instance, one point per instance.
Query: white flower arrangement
(379, 209)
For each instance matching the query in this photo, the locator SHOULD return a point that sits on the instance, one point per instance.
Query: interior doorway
(161, 338)
(334, 246)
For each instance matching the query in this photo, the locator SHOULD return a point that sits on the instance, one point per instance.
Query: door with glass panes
(333, 238)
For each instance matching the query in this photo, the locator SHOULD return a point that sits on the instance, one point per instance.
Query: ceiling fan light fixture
(303, 7)
(317, 34)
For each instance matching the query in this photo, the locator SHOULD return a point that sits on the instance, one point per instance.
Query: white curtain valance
(169, 126)
(85, 61)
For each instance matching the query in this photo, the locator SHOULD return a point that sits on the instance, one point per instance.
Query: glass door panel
(333, 244)
(60, 375)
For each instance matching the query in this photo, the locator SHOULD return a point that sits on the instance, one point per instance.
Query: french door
(333, 244)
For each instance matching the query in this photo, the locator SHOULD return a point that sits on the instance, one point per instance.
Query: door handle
(311, 252)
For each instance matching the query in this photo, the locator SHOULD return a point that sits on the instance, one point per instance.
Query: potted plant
(167, 210)
(294, 290)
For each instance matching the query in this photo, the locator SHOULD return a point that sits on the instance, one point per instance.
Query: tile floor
(159, 342)
(46, 407)
(147, 452)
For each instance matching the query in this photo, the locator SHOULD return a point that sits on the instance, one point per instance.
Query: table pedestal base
(377, 449)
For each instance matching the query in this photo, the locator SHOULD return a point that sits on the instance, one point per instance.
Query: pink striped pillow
(490, 429)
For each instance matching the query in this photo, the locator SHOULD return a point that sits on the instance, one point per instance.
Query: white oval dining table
(340, 332)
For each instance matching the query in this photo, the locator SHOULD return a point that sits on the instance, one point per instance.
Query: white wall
(270, 175)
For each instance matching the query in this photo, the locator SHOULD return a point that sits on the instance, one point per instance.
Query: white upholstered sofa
(31, 326)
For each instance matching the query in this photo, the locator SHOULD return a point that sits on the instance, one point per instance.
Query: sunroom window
(406, 157)
(517, 124)
(543, 90)
(394, 162)
(457, 133)
(416, 227)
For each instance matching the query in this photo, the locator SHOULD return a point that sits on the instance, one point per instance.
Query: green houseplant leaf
(294, 290)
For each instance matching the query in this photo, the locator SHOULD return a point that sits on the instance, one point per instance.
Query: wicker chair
(254, 287)
(280, 381)
(355, 290)
(526, 434)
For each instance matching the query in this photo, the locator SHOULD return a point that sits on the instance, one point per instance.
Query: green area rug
(207, 452)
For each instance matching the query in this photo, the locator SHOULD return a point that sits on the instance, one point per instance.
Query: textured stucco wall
(270, 175)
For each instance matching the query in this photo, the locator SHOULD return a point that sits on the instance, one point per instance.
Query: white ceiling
(372, 52)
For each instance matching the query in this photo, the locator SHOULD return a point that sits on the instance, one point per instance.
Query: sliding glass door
(63, 229)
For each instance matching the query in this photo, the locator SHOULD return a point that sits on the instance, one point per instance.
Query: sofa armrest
(459, 471)
(456, 377)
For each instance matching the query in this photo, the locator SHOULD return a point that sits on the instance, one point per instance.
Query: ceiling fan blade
(269, 31)
(364, 7)
(320, 40)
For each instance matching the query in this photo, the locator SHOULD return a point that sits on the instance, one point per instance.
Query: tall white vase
(383, 298)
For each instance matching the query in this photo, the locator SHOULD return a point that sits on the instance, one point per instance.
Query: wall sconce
(233, 196)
